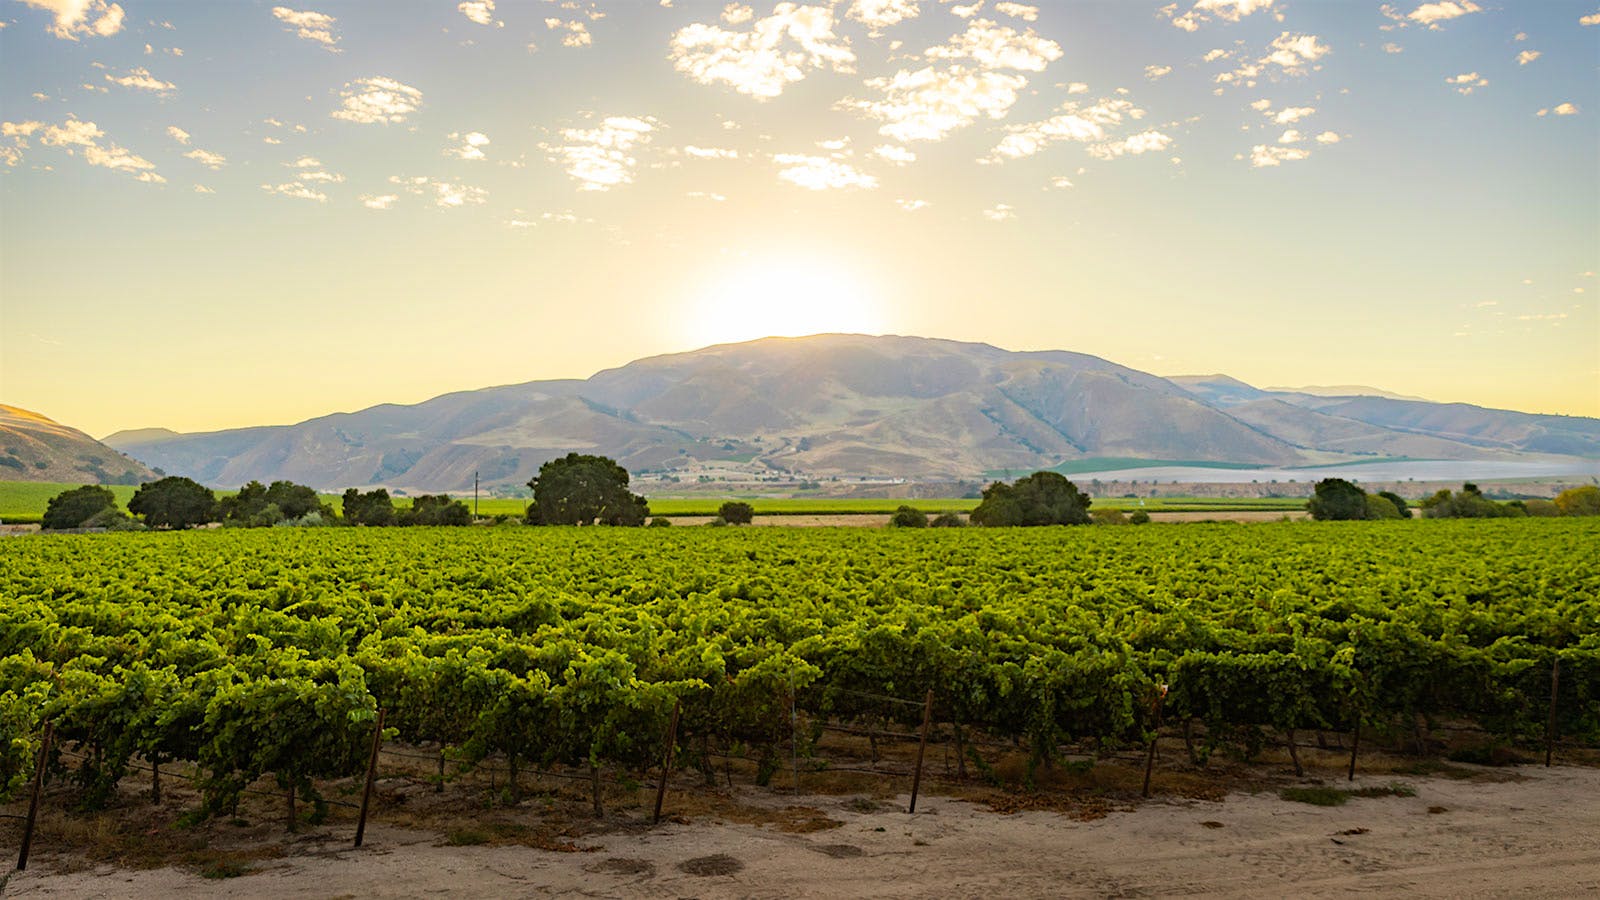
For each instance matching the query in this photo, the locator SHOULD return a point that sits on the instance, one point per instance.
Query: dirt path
(1535, 837)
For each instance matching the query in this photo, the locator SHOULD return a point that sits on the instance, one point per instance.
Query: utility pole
(474, 494)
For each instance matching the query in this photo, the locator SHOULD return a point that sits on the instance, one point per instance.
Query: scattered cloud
(207, 158)
(309, 25)
(776, 52)
(479, 12)
(1214, 55)
(1431, 14)
(1392, 47)
(1000, 212)
(1060, 182)
(1077, 87)
(880, 14)
(470, 146)
(81, 18)
(178, 134)
(446, 194)
(912, 205)
(737, 14)
(1591, 19)
(1263, 155)
(1083, 124)
(1329, 137)
(599, 158)
(1204, 10)
(1292, 114)
(694, 152)
(1134, 145)
(1564, 109)
(378, 201)
(1527, 56)
(1290, 53)
(575, 32)
(1155, 73)
(1017, 10)
(820, 173)
(707, 195)
(893, 154)
(377, 100)
(141, 79)
(1467, 82)
(80, 139)
(1292, 136)
(296, 190)
(202, 189)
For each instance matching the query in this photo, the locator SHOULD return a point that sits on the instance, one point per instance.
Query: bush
(1541, 508)
(660, 522)
(1108, 517)
(1336, 499)
(948, 520)
(1380, 507)
(1579, 501)
(908, 517)
(736, 512)
(1043, 498)
(718, 522)
(1398, 501)
(1139, 517)
(108, 518)
(70, 509)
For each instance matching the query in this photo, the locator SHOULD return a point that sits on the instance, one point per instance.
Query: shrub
(908, 517)
(1108, 517)
(1140, 517)
(1579, 501)
(948, 520)
(660, 522)
(1380, 507)
(736, 512)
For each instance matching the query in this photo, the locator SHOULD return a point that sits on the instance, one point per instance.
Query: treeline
(175, 502)
(1338, 499)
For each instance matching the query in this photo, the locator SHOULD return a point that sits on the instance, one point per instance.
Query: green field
(24, 502)
(258, 652)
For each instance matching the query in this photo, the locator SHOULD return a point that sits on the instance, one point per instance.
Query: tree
(174, 502)
(1467, 503)
(1381, 507)
(372, 508)
(908, 517)
(437, 509)
(70, 509)
(736, 512)
(578, 489)
(1043, 498)
(1579, 501)
(1398, 501)
(1337, 499)
(1139, 517)
(947, 520)
(295, 500)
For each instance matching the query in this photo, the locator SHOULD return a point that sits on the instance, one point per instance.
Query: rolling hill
(838, 406)
(36, 448)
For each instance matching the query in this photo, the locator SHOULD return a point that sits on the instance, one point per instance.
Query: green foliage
(174, 502)
(1108, 517)
(578, 489)
(1541, 508)
(371, 508)
(1139, 517)
(436, 509)
(1467, 503)
(736, 512)
(71, 509)
(1043, 498)
(1337, 499)
(908, 517)
(948, 520)
(660, 522)
(1579, 501)
(1399, 502)
(1381, 507)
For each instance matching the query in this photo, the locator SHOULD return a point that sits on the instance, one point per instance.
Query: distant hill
(36, 448)
(1345, 390)
(838, 406)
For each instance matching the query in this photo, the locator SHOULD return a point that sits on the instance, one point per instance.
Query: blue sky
(258, 213)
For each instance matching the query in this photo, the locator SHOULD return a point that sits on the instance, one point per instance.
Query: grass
(1327, 796)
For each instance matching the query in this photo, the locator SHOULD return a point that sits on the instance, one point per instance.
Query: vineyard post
(372, 774)
(794, 738)
(155, 779)
(922, 747)
(439, 788)
(1355, 743)
(1150, 756)
(666, 762)
(290, 796)
(33, 802)
(1550, 726)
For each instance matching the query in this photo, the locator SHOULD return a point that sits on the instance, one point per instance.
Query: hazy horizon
(224, 215)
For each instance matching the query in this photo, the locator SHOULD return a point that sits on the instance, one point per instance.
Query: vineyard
(270, 653)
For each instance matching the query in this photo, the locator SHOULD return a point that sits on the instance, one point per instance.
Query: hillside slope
(37, 448)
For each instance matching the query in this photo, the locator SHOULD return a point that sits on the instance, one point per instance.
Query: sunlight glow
(764, 298)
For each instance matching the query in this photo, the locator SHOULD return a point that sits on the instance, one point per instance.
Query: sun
(789, 298)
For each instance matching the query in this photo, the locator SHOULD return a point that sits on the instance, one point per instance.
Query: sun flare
(788, 299)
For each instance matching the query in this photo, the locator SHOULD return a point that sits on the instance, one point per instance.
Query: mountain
(1345, 390)
(37, 448)
(821, 407)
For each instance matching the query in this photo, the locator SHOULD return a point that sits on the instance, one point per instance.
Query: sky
(220, 214)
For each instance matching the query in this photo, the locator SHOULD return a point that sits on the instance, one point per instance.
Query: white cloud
(202, 189)
(1214, 55)
(1293, 114)
(74, 18)
(819, 173)
(377, 100)
(1292, 51)
(576, 32)
(737, 14)
(1591, 19)
(1329, 137)
(80, 138)
(694, 152)
(1467, 82)
(312, 26)
(893, 154)
(296, 190)
(1262, 155)
(1000, 212)
(1077, 87)
(707, 195)
(1154, 73)
(1074, 123)
(993, 46)
(1017, 10)
(965, 12)
(141, 79)
(776, 52)
(178, 134)
(1527, 56)
(379, 201)
(1292, 136)
(1392, 47)
(1564, 109)
(207, 158)
(1431, 14)
(480, 12)
(1261, 105)
(912, 205)
(471, 145)
(880, 14)
(1204, 10)
(599, 158)
(1060, 182)
(446, 194)
(1134, 145)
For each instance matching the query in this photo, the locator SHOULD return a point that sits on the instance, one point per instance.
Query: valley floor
(1535, 834)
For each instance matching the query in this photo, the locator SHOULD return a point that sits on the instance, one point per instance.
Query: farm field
(269, 652)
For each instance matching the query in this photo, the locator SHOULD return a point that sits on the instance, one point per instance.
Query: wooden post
(155, 779)
(666, 762)
(1294, 755)
(594, 784)
(1355, 744)
(794, 738)
(922, 747)
(290, 796)
(1550, 726)
(33, 802)
(439, 788)
(372, 775)
(1150, 756)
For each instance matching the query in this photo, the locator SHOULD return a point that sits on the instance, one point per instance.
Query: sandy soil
(1536, 836)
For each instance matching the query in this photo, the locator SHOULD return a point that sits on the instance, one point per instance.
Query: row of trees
(176, 502)
(1336, 498)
